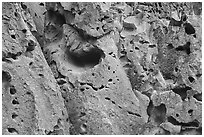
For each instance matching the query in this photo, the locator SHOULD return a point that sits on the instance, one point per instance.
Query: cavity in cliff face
(111, 68)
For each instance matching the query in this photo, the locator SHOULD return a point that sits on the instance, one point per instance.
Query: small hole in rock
(107, 98)
(41, 75)
(61, 81)
(84, 125)
(120, 107)
(123, 52)
(174, 22)
(15, 13)
(14, 115)
(23, 6)
(185, 48)
(190, 112)
(108, 67)
(198, 97)
(67, 120)
(15, 102)
(13, 36)
(176, 69)
(82, 84)
(12, 130)
(141, 76)
(82, 89)
(189, 29)
(198, 75)
(4, 59)
(151, 70)
(191, 79)
(41, 4)
(131, 42)
(56, 127)
(24, 30)
(110, 80)
(132, 113)
(6, 77)
(101, 87)
(143, 41)
(129, 26)
(145, 69)
(131, 4)
(31, 45)
(184, 18)
(28, 93)
(170, 46)
(31, 63)
(87, 87)
(182, 91)
(152, 46)
(173, 120)
(113, 102)
(12, 90)
(177, 115)
(82, 114)
(120, 11)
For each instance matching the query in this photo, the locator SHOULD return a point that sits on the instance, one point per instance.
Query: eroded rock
(32, 102)
(101, 68)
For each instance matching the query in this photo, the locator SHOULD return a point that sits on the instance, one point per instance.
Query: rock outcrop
(101, 68)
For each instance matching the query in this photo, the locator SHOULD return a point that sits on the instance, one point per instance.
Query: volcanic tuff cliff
(101, 68)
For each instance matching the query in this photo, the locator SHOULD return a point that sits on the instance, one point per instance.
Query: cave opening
(88, 58)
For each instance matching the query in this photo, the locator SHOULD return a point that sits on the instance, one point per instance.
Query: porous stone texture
(101, 68)
(32, 101)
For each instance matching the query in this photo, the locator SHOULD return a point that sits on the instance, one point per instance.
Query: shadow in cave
(83, 59)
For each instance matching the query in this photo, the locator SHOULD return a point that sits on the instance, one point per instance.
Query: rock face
(101, 68)
(32, 101)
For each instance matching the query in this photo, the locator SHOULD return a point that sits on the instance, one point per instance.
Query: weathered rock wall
(32, 101)
(101, 68)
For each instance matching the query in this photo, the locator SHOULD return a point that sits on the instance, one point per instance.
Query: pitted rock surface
(101, 68)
